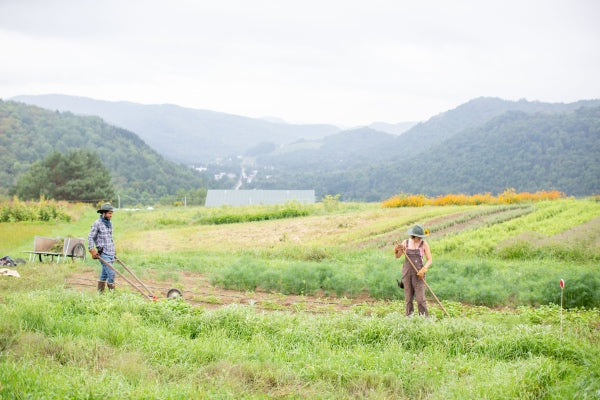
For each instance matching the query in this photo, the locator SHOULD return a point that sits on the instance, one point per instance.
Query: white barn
(215, 198)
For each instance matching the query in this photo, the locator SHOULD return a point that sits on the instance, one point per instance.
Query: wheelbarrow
(171, 293)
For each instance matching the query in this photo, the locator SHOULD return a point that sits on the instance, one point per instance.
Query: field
(302, 302)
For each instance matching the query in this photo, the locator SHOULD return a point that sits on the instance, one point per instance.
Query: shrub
(509, 196)
(44, 210)
(232, 218)
(581, 290)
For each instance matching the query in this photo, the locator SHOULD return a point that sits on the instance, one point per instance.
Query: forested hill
(184, 134)
(28, 134)
(528, 152)
(471, 115)
(364, 147)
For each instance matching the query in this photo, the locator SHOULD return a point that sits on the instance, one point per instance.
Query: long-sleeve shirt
(101, 237)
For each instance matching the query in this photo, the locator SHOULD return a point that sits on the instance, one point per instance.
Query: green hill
(140, 174)
(357, 147)
(472, 115)
(527, 152)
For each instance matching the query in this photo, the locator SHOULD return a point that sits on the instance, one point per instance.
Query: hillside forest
(484, 146)
(138, 173)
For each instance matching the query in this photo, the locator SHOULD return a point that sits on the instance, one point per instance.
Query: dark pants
(413, 286)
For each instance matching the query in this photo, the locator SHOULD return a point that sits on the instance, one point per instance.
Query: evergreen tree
(78, 175)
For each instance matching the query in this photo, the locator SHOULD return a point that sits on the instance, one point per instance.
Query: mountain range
(182, 134)
(484, 145)
(527, 152)
(369, 165)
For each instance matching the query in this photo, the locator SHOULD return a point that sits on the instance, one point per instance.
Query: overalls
(413, 285)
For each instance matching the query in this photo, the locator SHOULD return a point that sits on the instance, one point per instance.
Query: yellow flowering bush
(509, 196)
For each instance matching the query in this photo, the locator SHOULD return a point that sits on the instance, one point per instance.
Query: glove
(421, 273)
(94, 253)
(399, 250)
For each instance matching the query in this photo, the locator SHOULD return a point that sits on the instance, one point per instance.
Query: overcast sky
(344, 62)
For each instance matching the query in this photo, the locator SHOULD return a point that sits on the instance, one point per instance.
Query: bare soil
(197, 290)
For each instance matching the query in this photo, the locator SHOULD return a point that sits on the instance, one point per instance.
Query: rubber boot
(101, 286)
(111, 286)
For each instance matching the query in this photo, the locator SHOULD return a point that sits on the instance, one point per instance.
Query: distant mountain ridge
(183, 134)
(339, 150)
(368, 164)
(460, 151)
(395, 129)
(471, 115)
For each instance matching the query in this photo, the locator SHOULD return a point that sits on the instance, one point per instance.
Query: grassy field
(496, 270)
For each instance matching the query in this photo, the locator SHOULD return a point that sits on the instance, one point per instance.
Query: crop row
(475, 281)
(495, 215)
(548, 219)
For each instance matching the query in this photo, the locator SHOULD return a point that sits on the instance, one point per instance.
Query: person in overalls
(415, 248)
(100, 244)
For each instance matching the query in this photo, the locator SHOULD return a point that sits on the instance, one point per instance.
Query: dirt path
(197, 290)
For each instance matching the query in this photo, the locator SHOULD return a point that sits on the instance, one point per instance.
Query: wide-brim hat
(417, 230)
(105, 208)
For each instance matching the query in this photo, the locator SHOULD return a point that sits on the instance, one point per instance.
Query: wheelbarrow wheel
(78, 251)
(174, 294)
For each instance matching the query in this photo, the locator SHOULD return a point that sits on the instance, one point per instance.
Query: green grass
(57, 343)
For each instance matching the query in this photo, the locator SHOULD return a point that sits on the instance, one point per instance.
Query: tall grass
(57, 343)
(62, 344)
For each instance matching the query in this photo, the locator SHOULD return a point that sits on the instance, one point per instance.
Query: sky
(343, 62)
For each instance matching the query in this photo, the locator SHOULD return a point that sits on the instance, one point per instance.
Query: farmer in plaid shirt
(100, 244)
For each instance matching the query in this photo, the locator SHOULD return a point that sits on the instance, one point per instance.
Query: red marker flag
(562, 283)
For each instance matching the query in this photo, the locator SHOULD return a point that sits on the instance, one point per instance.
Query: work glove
(94, 253)
(421, 273)
(399, 249)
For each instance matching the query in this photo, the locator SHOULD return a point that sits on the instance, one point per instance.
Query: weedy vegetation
(496, 269)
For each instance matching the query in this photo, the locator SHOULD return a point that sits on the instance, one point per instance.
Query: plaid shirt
(101, 237)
